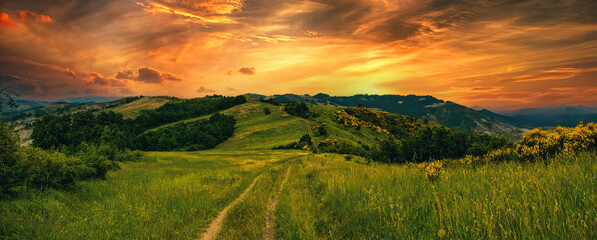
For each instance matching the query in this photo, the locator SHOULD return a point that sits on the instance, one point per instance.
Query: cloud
(203, 89)
(20, 85)
(243, 70)
(97, 79)
(552, 74)
(199, 11)
(96, 83)
(149, 75)
(146, 75)
(5, 20)
(230, 89)
(247, 70)
(27, 15)
(126, 74)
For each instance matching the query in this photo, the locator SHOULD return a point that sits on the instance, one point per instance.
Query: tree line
(70, 130)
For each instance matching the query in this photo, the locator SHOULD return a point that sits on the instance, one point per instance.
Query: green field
(177, 195)
(171, 195)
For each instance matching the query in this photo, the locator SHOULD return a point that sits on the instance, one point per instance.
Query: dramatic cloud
(203, 89)
(19, 85)
(497, 54)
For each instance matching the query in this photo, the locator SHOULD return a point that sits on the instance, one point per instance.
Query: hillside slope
(445, 113)
(134, 108)
(257, 131)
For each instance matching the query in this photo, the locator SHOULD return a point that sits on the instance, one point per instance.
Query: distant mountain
(427, 107)
(89, 99)
(553, 110)
(568, 116)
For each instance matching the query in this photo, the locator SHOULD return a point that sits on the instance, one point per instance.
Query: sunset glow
(496, 54)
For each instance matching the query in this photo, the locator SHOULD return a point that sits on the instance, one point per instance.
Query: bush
(501, 155)
(540, 144)
(44, 169)
(98, 159)
(9, 146)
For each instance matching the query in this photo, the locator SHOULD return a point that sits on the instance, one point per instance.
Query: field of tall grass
(331, 198)
(176, 195)
(172, 195)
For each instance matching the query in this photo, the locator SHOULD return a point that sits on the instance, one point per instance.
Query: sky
(498, 54)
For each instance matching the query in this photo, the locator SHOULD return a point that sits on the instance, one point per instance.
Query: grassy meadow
(176, 195)
(172, 195)
(330, 198)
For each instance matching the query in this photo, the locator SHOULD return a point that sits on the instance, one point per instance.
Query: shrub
(97, 159)
(433, 170)
(540, 144)
(44, 169)
(501, 155)
(9, 145)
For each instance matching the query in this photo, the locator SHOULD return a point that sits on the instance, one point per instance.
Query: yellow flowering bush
(433, 170)
(538, 143)
(500, 155)
(345, 119)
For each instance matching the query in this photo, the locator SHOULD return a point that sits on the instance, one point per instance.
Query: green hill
(132, 109)
(446, 113)
(256, 130)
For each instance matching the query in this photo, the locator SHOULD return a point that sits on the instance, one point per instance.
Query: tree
(9, 146)
(6, 98)
(267, 111)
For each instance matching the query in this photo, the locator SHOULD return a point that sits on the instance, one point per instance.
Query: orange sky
(499, 54)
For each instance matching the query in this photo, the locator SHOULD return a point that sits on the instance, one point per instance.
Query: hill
(256, 130)
(133, 109)
(445, 113)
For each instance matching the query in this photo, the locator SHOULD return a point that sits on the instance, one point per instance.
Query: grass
(134, 108)
(330, 198)
(173, 196)
(176, 195)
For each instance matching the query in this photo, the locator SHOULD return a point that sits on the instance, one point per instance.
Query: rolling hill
(447, 113)
(258, 131)
(133, 108)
